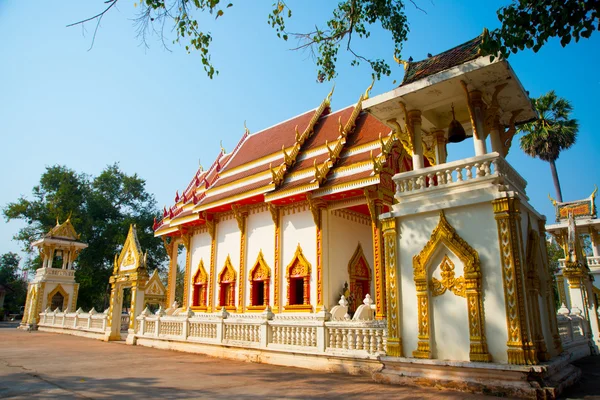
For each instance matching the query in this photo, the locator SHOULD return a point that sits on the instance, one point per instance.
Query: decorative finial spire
(328, 99)
(369, 89)
(222, 148)
(200, 166)
(247, 131)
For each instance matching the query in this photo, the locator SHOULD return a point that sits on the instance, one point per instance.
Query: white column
(414, 117)
(440, 146)
(497, 145)
(595, 237)
(479, 138)
(50, 258)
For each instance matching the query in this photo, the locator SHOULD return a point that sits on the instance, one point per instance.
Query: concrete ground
(47, 365)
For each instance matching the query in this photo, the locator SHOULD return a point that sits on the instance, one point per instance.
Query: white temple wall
(298, 227)
(346, 231)
(449, 314)
(228, 244)
(68, 288)
(260, 236)
(477, 226)
(200, 250)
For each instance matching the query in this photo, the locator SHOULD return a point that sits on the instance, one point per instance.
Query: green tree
(525, 23)
(531, 23)
(12, 282)
(555, 253)
(101, 209)
(552, 133)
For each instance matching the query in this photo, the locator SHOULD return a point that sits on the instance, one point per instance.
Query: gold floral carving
(444, 234)
(520, 348)
(58, 289)
(39, 299)
(74, 298)
(560, 282)
(241, 215)
(448, 282)
(394, 341)
(374, 202)
(533, 292)
(213, 257)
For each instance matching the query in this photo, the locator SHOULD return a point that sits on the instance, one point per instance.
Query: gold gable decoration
(66, 230)
(445, 235)
(131, 254)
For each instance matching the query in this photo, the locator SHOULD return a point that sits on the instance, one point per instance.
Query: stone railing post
(159, 314)
(64, 319)
(221, 325)
(91, 313)
(185, 330)
(322, 317)
(266, 330)
(104, 320)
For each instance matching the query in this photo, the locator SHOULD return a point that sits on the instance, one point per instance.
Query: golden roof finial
(222, 148)
(69, 217)
(401, 62)
(247, 131)
(328, 98)
(57, 223)
(552, 200)
(200, 166)
(369, 89)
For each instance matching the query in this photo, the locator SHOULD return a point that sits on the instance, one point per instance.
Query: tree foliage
(101, 210)
(525, 24)
(12, 282)
(531, 23)
(350, 19)
(553, 132)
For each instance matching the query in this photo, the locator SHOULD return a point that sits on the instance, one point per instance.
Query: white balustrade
(302, 333)
(462, 172)
(89, 322)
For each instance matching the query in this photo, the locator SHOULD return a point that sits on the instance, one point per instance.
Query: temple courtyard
(48, 365)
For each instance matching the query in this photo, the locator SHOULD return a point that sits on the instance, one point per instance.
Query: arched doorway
(298, 280)
(227, 280)
(260, 276)
(360, 276)
(199, 289)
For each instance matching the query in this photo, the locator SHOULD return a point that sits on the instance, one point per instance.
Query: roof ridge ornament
(367, 92)
(401, 62)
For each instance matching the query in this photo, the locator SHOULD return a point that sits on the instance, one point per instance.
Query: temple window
(359, 273)
(199, 289)
(227, 282)
(260, 276)
(298, 279)
(57, 301)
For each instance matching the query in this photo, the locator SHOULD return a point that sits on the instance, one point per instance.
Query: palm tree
(552, 133)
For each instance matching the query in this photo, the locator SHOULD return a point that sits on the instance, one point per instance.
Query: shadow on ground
(589, 385)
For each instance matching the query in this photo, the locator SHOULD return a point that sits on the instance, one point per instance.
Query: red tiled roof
(270, 140)
(450, 58)
(246, 173)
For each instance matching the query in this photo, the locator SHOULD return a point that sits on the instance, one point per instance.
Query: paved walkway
(47, 365)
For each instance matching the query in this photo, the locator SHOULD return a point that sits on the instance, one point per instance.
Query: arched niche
(360, 276)
(200, 288)
(54, 295)
(298, 283)
(468, 286)
(227, 281)
(259, 277)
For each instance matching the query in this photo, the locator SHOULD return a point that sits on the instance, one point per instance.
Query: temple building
(578, 275)
(346, 241)
(54, 284)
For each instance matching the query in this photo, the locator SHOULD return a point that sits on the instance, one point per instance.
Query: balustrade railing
(462, 172)
(300, 333)
(79, 320)
(591, 261)
(572, 328)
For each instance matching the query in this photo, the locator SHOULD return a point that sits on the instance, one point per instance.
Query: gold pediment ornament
(468, 286)
(448, 282)
(131, 254)
(227, 274)
(260, 271)
(63, 231)
(201, 275)
(299, 266)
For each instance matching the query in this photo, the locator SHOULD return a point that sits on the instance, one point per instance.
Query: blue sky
(157, 114)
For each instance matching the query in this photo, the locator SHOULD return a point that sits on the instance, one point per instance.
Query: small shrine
(578, 275)
(54, 284)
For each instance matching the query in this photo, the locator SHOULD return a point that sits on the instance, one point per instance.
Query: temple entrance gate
(128, 286)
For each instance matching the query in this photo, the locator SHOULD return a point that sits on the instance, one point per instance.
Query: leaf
(219, 13)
